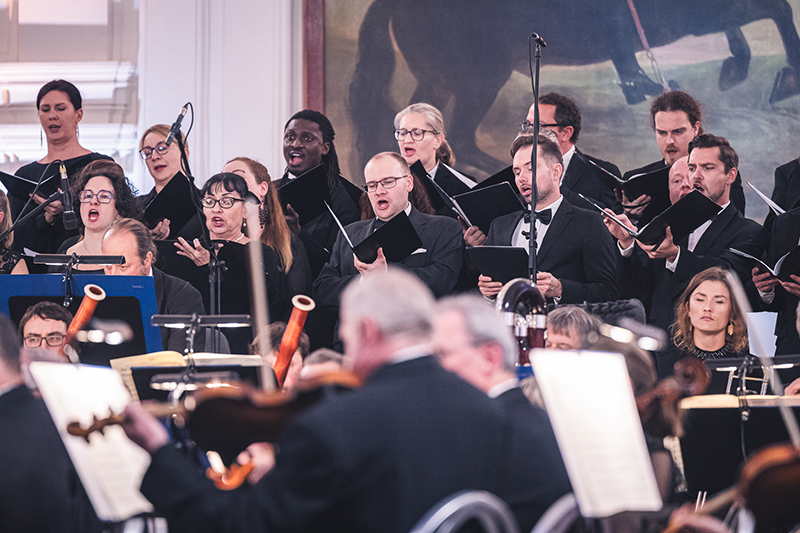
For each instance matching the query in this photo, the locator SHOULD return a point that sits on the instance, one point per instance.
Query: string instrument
(94, 295)
(291, 337)
(691, 378)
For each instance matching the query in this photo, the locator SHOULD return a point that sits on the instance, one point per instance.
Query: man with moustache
(676, 118)
(575, 256)
(437, 263)
(657, 275)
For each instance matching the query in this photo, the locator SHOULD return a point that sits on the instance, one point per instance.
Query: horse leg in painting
(787, 82)
(734, 69)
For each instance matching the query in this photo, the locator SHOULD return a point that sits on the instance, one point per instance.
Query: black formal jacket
(40, 491)
(175, 296)
(580, 177)
(784, 237)
(375, 459)
(437, 263)
(651, 282)
(737, 191)
(542, 475)
(577, 249)
(319, 235)
(786, 192)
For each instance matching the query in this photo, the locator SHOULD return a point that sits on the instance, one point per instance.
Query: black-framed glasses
(53, 340)
(225, 203)
(416, 134)
(526, 126)
(386, 183)
(147, 151)
(103, 196)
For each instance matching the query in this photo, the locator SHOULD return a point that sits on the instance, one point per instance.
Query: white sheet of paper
(764, 323)
(590, 402)
(110, 466)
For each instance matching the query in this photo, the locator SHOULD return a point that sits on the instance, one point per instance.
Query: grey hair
(563, 320)
(396, 301)
(484, 325)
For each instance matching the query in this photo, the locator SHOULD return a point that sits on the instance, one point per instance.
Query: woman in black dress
(708, 323)
(60, 109)
(9, 259)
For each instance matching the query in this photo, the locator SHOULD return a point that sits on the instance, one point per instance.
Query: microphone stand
(32, 213)
(532, 244)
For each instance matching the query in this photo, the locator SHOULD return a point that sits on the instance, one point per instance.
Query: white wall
(240, 64)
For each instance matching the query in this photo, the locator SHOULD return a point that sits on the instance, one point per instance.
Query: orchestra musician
(10, 260)
(45, 324)
(60, 109)
(374, 459)
(569, 328)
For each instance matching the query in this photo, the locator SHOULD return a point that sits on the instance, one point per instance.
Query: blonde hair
(276, 233)
(435, 121)
(163, 129)
(6, 223)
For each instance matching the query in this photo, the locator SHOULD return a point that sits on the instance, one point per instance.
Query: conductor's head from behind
(9, 354)
(388, 183)
(385, 316)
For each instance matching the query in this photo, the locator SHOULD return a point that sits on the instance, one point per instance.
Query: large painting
(739, 58)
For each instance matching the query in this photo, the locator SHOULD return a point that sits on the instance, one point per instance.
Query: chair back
(450, 514)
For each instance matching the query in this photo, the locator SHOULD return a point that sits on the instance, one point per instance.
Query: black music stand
(70, 261)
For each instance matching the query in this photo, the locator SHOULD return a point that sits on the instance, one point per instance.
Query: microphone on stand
(70, 220)
(539, 40)
(176, 127)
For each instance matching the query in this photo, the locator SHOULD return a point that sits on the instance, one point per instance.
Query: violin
(691, 378)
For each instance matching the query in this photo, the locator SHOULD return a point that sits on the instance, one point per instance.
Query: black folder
(21, 188)
(307, 194)
(174, 202)
(501, 263)
(439, 199)
(481, 206)
(397, 237)
(683, 217)
(785, 266)
(506, 175)
(655, 183)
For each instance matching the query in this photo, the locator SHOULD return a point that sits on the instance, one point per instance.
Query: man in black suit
(786, 191)
(777, 295)
(374, 459)
(473, 341)
(576, 257)
(657, 275)
(40, 491)
(437, 262)
(676, 118)
(562, 116)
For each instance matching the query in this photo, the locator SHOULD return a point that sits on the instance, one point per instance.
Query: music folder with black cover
(504, 176)
(787, 265)
(481, 206)
(21, 188)
(397, 237)
(307, 194)
(683, 217)
(438, 197)
(654, 183)
(174, 202)
(501, 263)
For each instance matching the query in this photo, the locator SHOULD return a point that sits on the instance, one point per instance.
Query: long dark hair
(330, 159)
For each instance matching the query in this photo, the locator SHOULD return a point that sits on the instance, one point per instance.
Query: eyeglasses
(53, 340)
(103, 197)
(225, 203)
(416, 134)
(526, 126)
(386, 183)
(147, 151)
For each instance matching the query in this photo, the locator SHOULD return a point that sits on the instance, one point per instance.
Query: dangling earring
(78, 131)
(41, 138)
(730, 329)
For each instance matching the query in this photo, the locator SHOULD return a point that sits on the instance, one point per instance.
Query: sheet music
(764, 322)
(590, 402)
(339, 223)
(110, 466)
(778, 210)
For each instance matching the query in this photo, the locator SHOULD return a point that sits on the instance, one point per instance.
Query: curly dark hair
(124, 192)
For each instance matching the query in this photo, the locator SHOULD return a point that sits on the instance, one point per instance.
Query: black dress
(37, 234)
(8, 260)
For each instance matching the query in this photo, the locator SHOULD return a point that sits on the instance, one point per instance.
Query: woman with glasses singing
(167, 209)
(224, 204)
(60, 109)
(419, 130)
(105, 195)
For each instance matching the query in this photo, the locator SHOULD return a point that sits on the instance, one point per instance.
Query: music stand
(128, 298)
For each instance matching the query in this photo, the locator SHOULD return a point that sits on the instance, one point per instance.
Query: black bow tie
(544, 216)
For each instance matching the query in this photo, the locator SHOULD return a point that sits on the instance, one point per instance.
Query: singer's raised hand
(199, 255)
(52, 211)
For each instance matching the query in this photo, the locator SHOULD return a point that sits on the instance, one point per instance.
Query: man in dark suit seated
(576, 257)
(473, 341)
(374, 459)
(657, 275)
(561, 115)
(676, 118)
(40, 492)
(436, 263)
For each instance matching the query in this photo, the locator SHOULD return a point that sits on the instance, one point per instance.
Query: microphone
(70, 220)
(176, 127)
(539, 40)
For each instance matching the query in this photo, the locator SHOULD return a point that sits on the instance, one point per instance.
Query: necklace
(239, 238)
